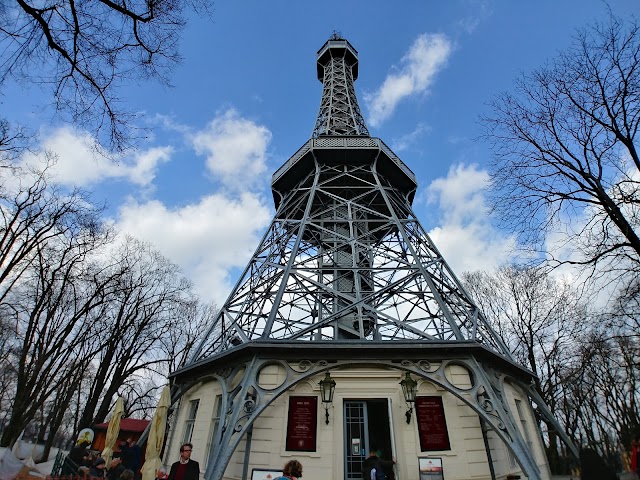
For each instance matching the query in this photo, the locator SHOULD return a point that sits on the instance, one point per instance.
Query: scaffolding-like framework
(345, 262)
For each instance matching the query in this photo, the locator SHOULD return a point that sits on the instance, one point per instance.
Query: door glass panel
(356, 438)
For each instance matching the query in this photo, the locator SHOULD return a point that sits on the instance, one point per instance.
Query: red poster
(302, 423)
(432, 425)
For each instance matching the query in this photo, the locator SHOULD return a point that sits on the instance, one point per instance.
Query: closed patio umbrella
(112, 431)
(156, 436)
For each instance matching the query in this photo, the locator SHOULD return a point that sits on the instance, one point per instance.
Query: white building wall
(466, 460)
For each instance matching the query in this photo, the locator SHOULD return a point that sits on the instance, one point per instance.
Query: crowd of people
(125, 464)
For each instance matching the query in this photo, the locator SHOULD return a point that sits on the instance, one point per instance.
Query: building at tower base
(348, 332)
(453, 425)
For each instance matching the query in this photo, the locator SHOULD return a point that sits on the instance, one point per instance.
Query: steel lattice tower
(345, 256)
(346, 272)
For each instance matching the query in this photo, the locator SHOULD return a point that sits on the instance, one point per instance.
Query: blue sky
(246, 97)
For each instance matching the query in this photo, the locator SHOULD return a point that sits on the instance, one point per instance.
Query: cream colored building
(368, 411)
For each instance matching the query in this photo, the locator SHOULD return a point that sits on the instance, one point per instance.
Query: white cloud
(426, 57)
(465, 237)
(407, 140)
(476, 12)
(207, 239)
(80, 162)
(235, 147)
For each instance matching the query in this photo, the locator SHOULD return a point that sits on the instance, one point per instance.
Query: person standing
(382, 467)
(127, 475)
(75, 458)
(161, 474)
(185, 468)
(635, 456)
(131, 454)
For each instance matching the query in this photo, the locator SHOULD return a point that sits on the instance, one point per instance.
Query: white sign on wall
(265, 474)
(430, 468)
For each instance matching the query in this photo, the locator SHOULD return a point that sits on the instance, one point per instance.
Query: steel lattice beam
(346, 258)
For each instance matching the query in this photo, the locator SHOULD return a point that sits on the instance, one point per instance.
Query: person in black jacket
(131, 454)
(373, 461)
(115, 469)
(185, 468)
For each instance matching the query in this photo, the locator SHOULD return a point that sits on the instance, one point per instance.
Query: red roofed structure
(129, 427)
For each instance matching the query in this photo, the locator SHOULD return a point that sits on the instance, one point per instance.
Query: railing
(66, 469)
(397, 161)
(58, 463)
(289, 163)
(341, 143)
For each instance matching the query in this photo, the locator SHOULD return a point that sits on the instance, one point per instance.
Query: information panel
(265, 473)
(432, 425)
(430, 469)
(302, 424)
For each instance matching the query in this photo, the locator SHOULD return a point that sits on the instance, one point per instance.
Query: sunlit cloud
(408, 140)
(78, 161)
(465, 236)
(426, 57)
(235, 149)
(208, 239)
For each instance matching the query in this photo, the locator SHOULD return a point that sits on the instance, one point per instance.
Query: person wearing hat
(98, 468)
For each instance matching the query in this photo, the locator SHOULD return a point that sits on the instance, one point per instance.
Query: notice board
(430, 469)
(302, 424)
(265, 473)
(432, 424)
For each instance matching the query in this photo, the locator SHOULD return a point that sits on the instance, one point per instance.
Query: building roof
(126, 425)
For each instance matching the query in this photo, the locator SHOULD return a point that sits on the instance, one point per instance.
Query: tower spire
(339, 110)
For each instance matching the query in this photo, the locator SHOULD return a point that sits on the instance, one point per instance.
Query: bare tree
(7, 372)
(565, 148)
(33, 213)
(36, 220)
(142, 312)
(68, 307)
(50, 309)
(539, 319)
(85, 51)
(55, 408)
(12, 142)
(601, 392)
(625, 311)
(196, 319)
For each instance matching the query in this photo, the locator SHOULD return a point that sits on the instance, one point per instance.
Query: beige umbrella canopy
(156, 436)
(112, 431)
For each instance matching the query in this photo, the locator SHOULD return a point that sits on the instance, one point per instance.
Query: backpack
(377, 473)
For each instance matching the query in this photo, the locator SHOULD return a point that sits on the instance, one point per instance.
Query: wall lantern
(327, 387)
(409, 390)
